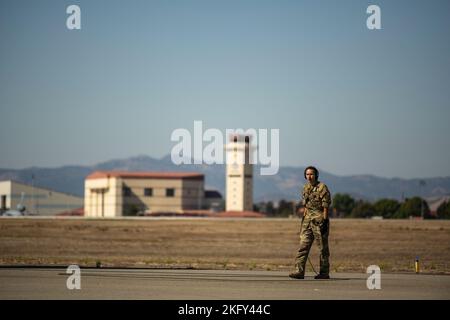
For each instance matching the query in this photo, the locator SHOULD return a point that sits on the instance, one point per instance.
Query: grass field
(262, 244)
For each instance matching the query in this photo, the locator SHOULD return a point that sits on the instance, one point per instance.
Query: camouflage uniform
(314, 198)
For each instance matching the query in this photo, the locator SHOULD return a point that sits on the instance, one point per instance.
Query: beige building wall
(239, 177)
(123, 196)
(5, 195)
(192, 194)
(102, 197)
(158, 201)
(37, 200)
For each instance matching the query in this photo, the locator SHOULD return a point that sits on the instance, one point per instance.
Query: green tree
(284, 208)
(386, 207)
(269, 208)
(131, 210)
(343, 204)
(362, 209)
(443, 211)
(412, 208)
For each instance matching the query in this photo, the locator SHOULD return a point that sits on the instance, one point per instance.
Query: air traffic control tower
(239, 174)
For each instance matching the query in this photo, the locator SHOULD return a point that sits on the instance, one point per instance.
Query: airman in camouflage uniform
(316, 200)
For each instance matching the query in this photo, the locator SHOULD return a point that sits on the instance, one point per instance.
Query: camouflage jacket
(316, 198)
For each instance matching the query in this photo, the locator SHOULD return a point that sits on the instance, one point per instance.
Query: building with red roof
(123, 193)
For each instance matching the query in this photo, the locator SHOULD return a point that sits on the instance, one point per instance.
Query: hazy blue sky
(345, 98)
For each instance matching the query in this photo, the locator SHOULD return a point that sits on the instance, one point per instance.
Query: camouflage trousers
(313, 228)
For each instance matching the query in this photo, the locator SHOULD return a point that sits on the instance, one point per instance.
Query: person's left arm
(326, 201)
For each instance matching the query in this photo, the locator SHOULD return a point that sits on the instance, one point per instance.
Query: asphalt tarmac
(185, 284)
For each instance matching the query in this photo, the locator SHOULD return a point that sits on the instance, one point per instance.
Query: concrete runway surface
(181, 284)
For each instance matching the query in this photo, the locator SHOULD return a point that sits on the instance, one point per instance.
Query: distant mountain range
(284, 185)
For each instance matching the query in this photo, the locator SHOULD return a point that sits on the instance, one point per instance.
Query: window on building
(148, 192)
(170, 192)
(126, 191)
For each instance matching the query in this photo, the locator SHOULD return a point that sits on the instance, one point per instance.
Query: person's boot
(322, 276)
(296, 275)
